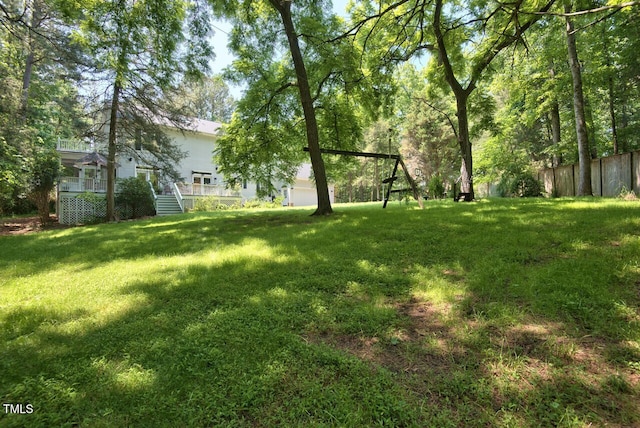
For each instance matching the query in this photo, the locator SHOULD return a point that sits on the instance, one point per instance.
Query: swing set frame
(390, 180)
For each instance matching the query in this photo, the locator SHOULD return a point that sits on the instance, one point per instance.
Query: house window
(89, 173)
(147, 174)
(201, 177)
(244, 184)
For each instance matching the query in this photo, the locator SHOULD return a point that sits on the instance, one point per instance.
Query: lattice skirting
(75, 209)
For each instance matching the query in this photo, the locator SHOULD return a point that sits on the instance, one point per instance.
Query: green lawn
(494, 313)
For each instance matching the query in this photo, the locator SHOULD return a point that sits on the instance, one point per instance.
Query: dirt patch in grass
(22, 225)
(456, 361)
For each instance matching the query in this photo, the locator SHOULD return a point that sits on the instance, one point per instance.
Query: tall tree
(584, 154)
(465, 39)
(142, 49)
(313, 139)
(294, 97)
(209, 99)
(38, 103)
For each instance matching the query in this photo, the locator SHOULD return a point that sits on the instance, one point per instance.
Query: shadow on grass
(335, 326)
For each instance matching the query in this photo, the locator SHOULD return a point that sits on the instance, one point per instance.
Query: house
(302, 192)
(84, 166)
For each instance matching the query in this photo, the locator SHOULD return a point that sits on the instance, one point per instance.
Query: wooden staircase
(167, 205)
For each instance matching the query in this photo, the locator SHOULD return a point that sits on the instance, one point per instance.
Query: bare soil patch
(23, 225)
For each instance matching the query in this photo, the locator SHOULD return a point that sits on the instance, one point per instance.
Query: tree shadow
(319, 325)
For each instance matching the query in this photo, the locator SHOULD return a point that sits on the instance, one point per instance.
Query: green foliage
(38, 102)
(43, 179)
(261, 203)
(214, 203)
(525, 185)
(208, 98)
(135, 198)
(266, 134)
(436, 187)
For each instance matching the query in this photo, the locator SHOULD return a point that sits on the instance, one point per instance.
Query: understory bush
(436, 187)
(213, 203)
(261, 203)
(523, 185)
(134, 198)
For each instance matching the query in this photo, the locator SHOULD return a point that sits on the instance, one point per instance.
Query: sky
(224, 57)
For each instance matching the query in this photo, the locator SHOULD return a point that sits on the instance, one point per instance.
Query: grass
(495, 313)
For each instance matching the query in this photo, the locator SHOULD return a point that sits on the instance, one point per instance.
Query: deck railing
(178, 195)
(77, 184)
(205, 190)
(69, 145)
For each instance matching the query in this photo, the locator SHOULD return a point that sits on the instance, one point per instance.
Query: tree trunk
(36, 20)
(556, 134)
(111, 157)
(611, 93)
(313, 139)
(612, 115)
(462, 96)
(466, 169)
(584, 156)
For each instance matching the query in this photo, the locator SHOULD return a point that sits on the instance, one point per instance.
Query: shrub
(134, 198)
(436, 187)
(525, 185)
(44, 175)
(214, 203)
(261, 203)
(504, 186)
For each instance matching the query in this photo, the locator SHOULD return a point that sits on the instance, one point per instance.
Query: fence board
(616, 174)
(596, 177)
(546, 177)
(635, 167)
(608, 176)
(564, 181)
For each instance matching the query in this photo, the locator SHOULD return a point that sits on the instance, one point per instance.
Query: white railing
(205, 190)
(70, 145)
(153, 191)
(178, 195)
(76, 184)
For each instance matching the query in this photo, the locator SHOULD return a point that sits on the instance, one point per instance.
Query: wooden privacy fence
(609, 176)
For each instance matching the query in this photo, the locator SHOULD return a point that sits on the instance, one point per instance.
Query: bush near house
(134, 198)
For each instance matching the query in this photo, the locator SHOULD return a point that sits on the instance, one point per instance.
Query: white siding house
(198, 173)
(302, 192)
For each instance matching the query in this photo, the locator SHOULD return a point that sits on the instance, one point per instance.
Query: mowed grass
(493, 313)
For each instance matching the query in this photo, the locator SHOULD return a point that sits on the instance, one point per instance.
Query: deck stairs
(167, 205)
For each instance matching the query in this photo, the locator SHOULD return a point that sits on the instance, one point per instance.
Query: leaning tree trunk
(313, 139)
(584, 155)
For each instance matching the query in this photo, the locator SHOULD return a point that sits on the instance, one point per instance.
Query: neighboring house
(84, 166)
